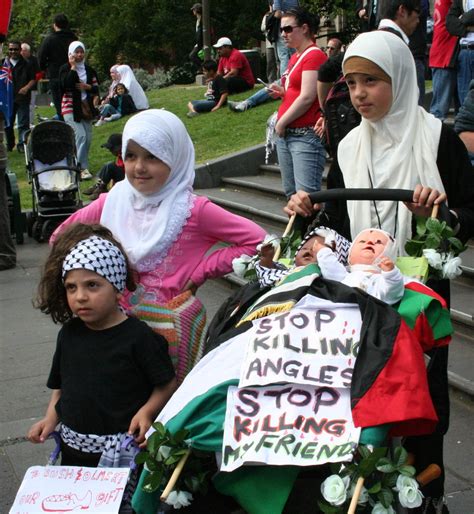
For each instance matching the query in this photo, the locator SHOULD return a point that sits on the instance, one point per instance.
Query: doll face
(367, 247)
(371, 96)
(145, 172)
(307, 253)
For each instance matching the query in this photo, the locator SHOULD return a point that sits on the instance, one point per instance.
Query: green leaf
(152, 481)
(400, 456)
(375, 488)
(385, 465)
(456, 244)
(181, 436)
(364, 451)
(329, 509)
(433, 241)
(159, 428)
(420, 225)
(141, 457)
(433, 225)
(414, 248)
(406, 470)
(385, 497)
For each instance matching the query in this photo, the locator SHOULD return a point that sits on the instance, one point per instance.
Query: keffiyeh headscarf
(98, 255)
(80, 66)
(147, 225)
(399, 151)
(331, 238)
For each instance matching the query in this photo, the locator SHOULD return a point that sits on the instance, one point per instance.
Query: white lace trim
(178, 219)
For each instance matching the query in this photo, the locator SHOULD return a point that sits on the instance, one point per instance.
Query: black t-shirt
(216, 88)
(106, 376)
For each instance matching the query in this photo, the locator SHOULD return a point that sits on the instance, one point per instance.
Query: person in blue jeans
(280, 7)
(301, 154)
(260, 97)
(121, 104)
(216, 93)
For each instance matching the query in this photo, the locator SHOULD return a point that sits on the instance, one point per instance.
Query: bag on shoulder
(86, 110)
(340, 115)
(272, 27)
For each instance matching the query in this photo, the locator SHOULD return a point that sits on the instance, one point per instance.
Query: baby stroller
(253, 310)
(54, 174)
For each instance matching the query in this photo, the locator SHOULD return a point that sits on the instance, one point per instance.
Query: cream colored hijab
(399, 151)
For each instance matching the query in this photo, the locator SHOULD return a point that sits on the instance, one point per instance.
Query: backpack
(272, 26)
(340, 115)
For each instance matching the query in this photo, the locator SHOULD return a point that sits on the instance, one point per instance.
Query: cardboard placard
(70, 489)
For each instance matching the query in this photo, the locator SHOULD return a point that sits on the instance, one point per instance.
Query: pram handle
(369, 194)
(58, 168)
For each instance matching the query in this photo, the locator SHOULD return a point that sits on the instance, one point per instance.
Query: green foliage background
(145, 33)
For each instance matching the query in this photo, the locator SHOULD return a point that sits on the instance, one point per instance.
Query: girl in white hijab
(166, 230)
(127, 78)
(80, 86)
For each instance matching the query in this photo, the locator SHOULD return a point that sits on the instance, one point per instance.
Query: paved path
(27, 340)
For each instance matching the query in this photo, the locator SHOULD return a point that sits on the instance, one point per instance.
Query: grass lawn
(213, 134)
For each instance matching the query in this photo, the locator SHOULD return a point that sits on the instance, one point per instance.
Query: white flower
(334, 489)
(240, 265)
(452, 267)
(380, 509)
(363, 497)
(179, 499)
(408, 492)
(269, 238)
(434, 258)
(164, 451)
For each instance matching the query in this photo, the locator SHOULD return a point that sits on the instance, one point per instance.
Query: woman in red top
(300, 152)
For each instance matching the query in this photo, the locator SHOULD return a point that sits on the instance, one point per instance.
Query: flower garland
(435, 241)
(384, 476)
(163, 452)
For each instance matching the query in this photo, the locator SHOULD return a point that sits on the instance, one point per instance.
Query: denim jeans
(444, 84)
(260, 97)
(203, 105)
(283, 53)
(83, 136)
(465, 72)
(301, 156)
(108, 110)
(22, 110)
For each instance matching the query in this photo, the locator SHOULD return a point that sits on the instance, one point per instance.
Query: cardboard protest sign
(288, 424)
(70, 488)
(315, 343)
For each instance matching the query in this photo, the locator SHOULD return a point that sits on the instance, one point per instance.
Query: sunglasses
(13, 49)
(288, 29)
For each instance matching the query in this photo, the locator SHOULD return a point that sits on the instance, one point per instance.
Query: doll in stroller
(54, 174)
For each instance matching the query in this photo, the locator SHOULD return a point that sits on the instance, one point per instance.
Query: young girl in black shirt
(111, 374)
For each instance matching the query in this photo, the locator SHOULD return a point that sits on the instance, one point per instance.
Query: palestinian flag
(388, 388)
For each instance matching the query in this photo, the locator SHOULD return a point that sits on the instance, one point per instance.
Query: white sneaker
(99, 123)
(86, 175)
(238, 106)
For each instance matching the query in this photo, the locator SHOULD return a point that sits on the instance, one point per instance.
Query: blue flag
(6, 90)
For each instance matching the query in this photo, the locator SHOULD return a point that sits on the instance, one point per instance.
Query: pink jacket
(189, 258)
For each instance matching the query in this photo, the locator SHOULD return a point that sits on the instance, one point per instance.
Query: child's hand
(386, 264)
(41, 430)
(267, 252)
(139, 426)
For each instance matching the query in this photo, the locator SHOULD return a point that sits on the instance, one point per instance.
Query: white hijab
(127, 78)
(147, 225)
(399, 151)
(80, 66)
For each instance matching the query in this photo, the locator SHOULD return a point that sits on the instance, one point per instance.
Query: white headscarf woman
(147, 225)
(80, 66)
(127, 78)
(399, 150)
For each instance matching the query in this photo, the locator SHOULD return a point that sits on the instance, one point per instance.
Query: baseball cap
(223, 41)
(114, 141)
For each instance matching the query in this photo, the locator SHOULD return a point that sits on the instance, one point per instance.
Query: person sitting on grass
(216, 93)
(121, 104)
(110, 172)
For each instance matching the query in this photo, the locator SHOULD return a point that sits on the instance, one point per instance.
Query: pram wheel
(49, 226)
(37, 231)
(30, 220)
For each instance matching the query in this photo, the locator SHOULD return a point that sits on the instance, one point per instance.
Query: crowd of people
(150, 241)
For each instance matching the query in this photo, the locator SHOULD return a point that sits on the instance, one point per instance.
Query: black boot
(96, 190)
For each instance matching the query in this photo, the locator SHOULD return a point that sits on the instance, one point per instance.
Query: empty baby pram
(54, 175)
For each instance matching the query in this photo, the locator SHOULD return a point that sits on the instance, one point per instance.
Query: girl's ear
(118, 296)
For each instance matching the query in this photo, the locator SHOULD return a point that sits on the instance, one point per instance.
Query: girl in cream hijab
(398, 145)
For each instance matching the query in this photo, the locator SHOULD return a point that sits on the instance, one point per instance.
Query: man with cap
(193, 56)
(112, 171)
(234, 67)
